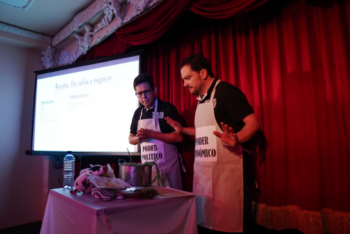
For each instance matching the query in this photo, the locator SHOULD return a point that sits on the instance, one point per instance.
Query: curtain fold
(221, 9)
(153, 24)
(110, 46)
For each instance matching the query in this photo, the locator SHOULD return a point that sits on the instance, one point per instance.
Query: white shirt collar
(149, 108)
(199, 98)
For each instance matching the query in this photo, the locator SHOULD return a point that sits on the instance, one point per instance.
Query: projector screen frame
(86, 63)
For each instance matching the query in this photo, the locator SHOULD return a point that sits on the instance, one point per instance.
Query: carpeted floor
(30, 228)
(34, 228)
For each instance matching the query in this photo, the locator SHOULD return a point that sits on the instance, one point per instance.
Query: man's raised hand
(228, 136)
(176, 125)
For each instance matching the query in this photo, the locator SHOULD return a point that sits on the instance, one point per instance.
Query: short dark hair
(197, 62)
(144, 77)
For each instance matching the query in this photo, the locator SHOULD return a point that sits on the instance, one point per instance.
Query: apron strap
(182, 164)
(156, 122)
(214, 89)
(155, 112)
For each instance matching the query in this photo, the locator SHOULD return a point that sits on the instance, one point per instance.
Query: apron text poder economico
(218, 175)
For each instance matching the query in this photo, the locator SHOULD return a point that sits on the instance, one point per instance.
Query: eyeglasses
(146, 92)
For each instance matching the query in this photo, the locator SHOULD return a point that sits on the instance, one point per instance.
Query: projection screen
(86, 108)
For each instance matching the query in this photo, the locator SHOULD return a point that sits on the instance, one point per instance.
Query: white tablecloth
(66, 213)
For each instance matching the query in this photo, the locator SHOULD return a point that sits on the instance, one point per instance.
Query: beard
(196, 90)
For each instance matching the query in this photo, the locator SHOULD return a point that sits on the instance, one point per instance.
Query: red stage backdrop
(292, 62)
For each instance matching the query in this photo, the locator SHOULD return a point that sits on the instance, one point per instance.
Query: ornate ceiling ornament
(91, 26)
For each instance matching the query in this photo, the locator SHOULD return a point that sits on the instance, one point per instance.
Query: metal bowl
(136, 175)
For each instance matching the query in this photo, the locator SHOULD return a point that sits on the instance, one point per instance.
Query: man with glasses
(155, 136)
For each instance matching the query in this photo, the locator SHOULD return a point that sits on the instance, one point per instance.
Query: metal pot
(135, 175)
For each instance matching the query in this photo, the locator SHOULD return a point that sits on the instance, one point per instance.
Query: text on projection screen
(86, 110)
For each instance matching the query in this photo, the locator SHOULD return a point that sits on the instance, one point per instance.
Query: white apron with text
(165, 155)
(218, 175)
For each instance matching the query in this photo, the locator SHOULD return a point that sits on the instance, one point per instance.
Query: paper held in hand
(104, 182)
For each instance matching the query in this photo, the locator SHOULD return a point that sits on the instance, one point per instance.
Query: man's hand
(228, 136)
(176, 125)
(144, 134)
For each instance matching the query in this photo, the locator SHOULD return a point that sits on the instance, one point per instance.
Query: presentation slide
(87, 108)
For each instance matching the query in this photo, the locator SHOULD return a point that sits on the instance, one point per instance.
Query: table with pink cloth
(172, 211)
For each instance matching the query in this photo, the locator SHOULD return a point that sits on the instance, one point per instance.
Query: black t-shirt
(231, 108)
(164, 108)
(231, 105)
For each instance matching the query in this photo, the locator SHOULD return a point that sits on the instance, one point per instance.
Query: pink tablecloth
(66, 213)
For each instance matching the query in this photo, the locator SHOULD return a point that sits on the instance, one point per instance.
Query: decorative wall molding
(24, 32)
(78, 21)
(84, 42)
(63, 58)
(140, 4)
(47, 58)
(91, 26)
(20, 5)
(119, 8)
(107, 18)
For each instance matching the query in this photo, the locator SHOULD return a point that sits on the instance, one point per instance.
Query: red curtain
(291, 59)
(293, 69)
(292, 62)
(111, 46)
(221, 9)
(140, 31)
